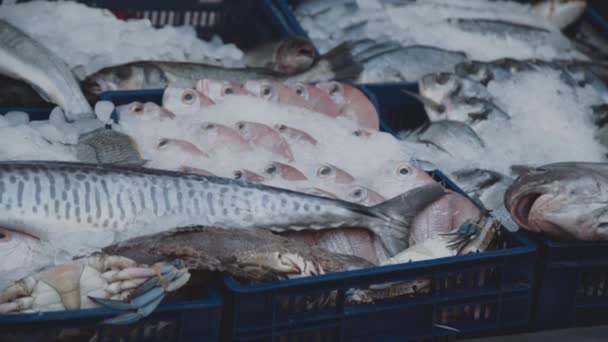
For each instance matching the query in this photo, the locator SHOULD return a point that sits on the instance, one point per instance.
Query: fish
(537, 36)
(251, 256)
(410, 63)
(217, 91)
(441, 88)
(139, 111)
(295, 134)
(333, 174)
(336, 64)
(17, 93)
(354, 104)
(471, 110)
(76, 208)
(184, 101)
(179, 146)
(107, 146)
(25, 59)
(317, 100)
(498, 70)
(451, 137)
(266, 138)
(485, 186)
(564, 201)
(282, 171)
(288, 56)
(217, 138)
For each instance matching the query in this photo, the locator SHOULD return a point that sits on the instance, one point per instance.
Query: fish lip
(520, 211)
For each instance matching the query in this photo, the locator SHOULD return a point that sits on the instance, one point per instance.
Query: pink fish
(265, 137)
(144, 111)
(364, 196)
(295, 134)
(218, 90)
(353, 103)
(248, 176)
(214, 136)
(317, 99)
(275, 91)
(318, 192)
(283, 171)
(185, 101)
(333, 174)
(178, 146)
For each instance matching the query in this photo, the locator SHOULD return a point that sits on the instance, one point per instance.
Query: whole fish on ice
(23, 58)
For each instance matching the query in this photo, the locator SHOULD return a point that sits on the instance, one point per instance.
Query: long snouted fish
(23, 58)
(78, 208)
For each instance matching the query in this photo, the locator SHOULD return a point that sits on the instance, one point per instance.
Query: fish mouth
(520, 212)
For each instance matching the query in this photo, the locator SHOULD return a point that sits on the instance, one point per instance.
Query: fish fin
(341, 63)
(399, 212)
(79, 72)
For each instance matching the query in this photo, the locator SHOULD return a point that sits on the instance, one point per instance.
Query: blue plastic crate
(196, 320)
(472, 293)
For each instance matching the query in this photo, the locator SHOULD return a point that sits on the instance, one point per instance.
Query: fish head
(333, 174)
(352, 102)
(123, 77)
(247, 176)
(364, 196)
(474, 70)
(263, 89)
(335, 90)
(439, 86)
(405, 175)
(283, 171)
(216, 90)
(179, 146)
(295, 134)
(143, 111)
(216, 135)
(294, 55)
(17, 247)
(184, 101)
(316, 99)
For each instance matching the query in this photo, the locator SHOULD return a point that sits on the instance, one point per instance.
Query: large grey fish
(76, 208)
(287, 56)
(453, 137)
(411, 63)
(250, 255)
(565, 201)
(536, 36)
(336, 64)
(23, 58)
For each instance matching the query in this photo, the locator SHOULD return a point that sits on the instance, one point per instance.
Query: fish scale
(94, 205)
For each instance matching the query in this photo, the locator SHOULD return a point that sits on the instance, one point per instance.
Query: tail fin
(399, 212)
(337, 64)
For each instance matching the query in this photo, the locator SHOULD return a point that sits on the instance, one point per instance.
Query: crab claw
(147, 296)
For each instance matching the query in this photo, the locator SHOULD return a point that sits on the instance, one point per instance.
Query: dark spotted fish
(107, 146)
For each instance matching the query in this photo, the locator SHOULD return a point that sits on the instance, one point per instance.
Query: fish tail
(398, 213)
(342, 64)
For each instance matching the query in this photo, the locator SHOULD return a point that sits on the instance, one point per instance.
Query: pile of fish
(415, 38)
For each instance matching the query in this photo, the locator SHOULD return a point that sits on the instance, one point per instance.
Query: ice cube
(16, 118)
(57, 117)
(103, 110)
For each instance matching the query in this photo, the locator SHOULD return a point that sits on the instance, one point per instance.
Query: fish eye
(403, 170)
(237, 174)
(240, 125)
(324, 171)
(301, 91)
(4, 236)
(357, 193)
(137, 108)
(271, 169)
(163, 143)
(188, 97)
(335, 88)
(208, 126)
(281, 128)
(228, 91)
(266, 90)
(358, 133)
(537, 170)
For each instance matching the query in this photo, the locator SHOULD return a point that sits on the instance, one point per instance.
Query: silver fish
(76, 208)
(23, 58)
(452, 137)
(288, 56)
(337, 64)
